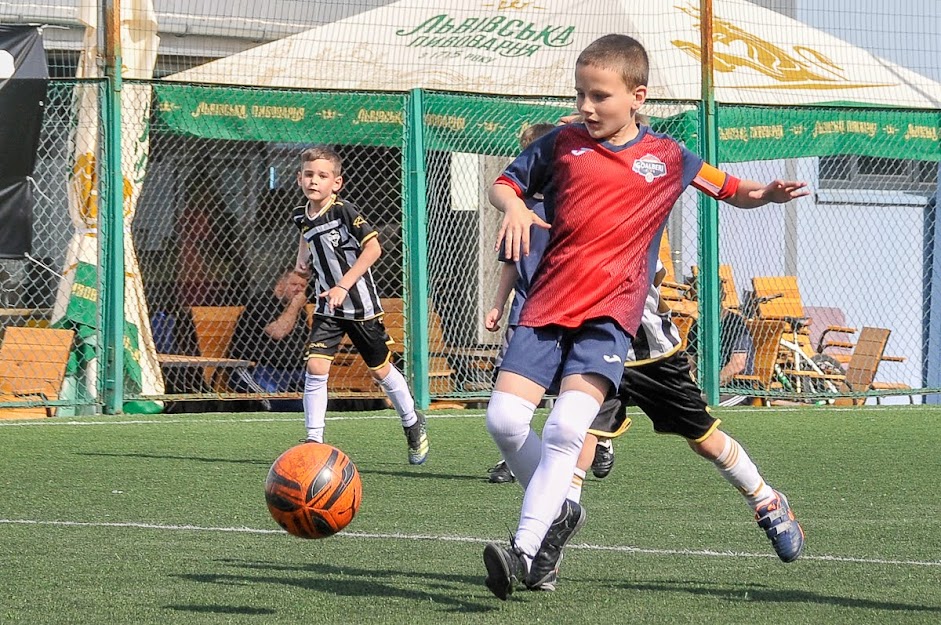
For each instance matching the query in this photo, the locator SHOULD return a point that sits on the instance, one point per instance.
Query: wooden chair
(672, 291)
(863, 366)
(778, 297)
(32, 367)
(766, 338)
(683, 323)
(730, 298)
(829, 333)
(215, 326)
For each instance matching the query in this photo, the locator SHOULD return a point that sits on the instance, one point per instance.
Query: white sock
(736, 467)
(396, 388)
(575, 488)
(508, 419)
(562, 440)
(315, 405)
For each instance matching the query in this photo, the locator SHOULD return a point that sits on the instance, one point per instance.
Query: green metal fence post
(111, 216)
(416, 240)
(708, 287)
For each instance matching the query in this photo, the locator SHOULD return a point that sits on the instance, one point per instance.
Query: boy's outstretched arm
(752, 194)
(517, 219)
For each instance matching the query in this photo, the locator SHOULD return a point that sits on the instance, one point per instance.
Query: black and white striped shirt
(335, 237)
(657, 337)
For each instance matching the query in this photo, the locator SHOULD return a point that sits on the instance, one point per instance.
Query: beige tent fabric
(529, 48)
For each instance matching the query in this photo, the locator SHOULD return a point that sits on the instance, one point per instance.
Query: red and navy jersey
(608, 206)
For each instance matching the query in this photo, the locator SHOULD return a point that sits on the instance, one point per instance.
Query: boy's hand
(335, 296)
(302, 270)
(514, 232)
(492, 318)
(781, 191)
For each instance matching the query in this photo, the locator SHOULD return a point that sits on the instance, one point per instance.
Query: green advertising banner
(81, 315)
(453, 122)
(761, 133)
(491, 125)
(281, 116)
(480, 125)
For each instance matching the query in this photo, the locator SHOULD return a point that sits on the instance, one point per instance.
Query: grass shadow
(442, 589)
(752, 593)
(169, 457)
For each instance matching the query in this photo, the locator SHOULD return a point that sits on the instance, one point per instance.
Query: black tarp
(23, 78)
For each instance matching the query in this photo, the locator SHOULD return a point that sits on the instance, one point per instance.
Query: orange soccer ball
(313, 490)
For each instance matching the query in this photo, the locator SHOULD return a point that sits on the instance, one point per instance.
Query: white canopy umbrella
(529, 47)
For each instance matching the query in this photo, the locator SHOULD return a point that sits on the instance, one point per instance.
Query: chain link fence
(212, 232)
(832, 295)
(56, 370)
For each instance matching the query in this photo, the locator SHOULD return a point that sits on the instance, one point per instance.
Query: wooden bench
(214, 326)
(32, 367)
(349, 375)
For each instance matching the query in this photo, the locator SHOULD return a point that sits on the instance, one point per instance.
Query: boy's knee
(318, 366)
(508, 415)
(561, 434)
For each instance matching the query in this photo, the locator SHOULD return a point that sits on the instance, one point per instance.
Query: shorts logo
(7, 65)
(650, 167)
(611, 358)
(316, 345)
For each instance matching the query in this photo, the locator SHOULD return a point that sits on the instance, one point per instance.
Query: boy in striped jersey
(657, 379)
(609, 186)
(339, 247)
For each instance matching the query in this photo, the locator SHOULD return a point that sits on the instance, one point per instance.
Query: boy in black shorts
(343, 246)
(657, 379)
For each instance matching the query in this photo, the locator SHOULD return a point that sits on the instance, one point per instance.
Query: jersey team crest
(650, 167)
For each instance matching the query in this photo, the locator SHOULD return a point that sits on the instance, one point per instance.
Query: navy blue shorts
(547, 354)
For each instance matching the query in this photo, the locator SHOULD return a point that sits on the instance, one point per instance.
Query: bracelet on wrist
(343, 287)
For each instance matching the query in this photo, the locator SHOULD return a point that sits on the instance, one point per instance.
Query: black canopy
(23, 78)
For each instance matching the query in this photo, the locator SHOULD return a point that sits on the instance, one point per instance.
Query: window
(872, 172)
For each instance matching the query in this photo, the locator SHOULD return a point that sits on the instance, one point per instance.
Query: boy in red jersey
(609, 186)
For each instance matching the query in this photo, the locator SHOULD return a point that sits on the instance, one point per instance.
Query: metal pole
(416, 238)
(790, 225)
(111, 214)
(708, 224)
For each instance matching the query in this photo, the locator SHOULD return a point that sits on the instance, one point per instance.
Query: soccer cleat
(544, 572)
(604, 459)
(501, 474)
(777, 520)
(417, 437)
(505, 569)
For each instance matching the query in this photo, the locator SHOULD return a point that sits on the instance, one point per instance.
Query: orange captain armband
(715, 182)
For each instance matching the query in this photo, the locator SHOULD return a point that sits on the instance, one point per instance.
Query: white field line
(299, 418)
(706, 553)
(468, 414)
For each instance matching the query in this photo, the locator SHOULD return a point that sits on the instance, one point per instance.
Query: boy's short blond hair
(619, 53)
(325, 153)
(531, 133)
